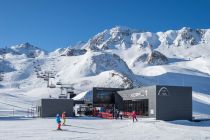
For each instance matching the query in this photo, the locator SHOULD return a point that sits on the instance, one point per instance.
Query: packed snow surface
(87, 128)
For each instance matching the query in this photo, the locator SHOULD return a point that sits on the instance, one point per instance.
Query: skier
(134, 116)
(64, 118)
(121, 114)
(58, 120)
(118, 114)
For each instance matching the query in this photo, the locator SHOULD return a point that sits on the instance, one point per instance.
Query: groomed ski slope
(85, 128)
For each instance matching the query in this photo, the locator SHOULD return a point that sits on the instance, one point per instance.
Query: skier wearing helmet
(58, 120)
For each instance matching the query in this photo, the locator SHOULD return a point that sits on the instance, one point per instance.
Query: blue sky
(51, 24)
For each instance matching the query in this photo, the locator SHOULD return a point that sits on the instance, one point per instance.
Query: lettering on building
(141, 93)
(163, 92)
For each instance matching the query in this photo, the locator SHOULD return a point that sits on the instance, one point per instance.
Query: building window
(140, 106)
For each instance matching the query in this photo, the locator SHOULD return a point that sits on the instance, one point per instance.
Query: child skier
(64, 118)
(58, 120)
(134, 116)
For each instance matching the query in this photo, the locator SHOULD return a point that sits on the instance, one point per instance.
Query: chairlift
(71, 92)
(62, 96)
(46, 79)
(52, 86)
(59, 83)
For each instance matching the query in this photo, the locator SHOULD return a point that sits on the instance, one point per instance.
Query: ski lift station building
(160, 102)
(49, 107)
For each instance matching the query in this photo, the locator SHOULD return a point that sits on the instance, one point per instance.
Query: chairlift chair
(52, 86)
(52, 76)
(62, 96)
(41, 76)
(58, 83)
(46, 79)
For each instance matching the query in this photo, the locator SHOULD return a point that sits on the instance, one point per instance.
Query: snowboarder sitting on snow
(134, 116)
(64, 118)
(58, 120)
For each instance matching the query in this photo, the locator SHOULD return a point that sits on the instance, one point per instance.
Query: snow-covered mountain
(123, 38)
(117, 57)
(26, 49)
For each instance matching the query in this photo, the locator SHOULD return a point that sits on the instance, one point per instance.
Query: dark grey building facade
(159, 101)
(104, 96)
(51, 107)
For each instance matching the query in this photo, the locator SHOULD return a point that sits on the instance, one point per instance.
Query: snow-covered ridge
(23, 49)
(123, 38)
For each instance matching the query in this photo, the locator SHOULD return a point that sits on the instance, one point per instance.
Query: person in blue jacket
(58, 120)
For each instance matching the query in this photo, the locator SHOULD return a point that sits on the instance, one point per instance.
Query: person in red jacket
(134, 116)
(64, 118)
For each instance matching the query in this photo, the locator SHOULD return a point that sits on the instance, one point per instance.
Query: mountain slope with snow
(117, 57)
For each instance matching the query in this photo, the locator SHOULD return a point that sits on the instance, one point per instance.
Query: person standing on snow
(58, 120)
(121, 115)
(134, 116)
(64, 118)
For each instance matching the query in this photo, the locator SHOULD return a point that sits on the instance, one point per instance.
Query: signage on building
(141, 93)
(152, 111)
(163, 92)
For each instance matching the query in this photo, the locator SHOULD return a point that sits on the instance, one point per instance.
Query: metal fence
(14, 111)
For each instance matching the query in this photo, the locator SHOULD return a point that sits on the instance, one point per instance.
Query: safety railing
(14, 110)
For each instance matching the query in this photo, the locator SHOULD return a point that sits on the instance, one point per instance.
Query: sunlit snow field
(87, 128)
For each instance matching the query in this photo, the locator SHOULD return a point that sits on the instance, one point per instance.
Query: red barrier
(106, 115)
(127, 114)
